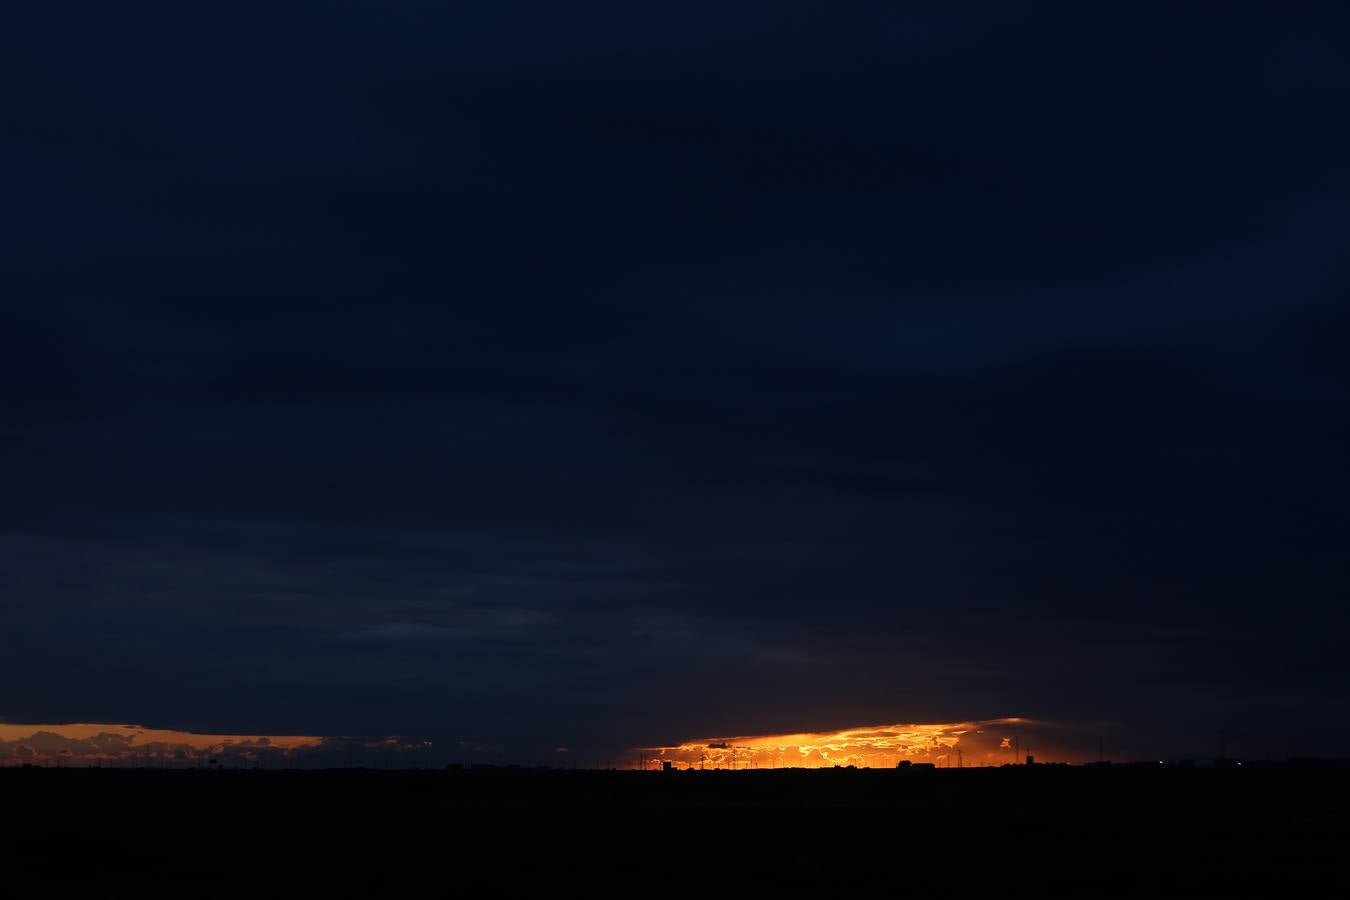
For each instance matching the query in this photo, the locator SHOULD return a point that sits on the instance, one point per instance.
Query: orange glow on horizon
(953, 744)
(82, 742)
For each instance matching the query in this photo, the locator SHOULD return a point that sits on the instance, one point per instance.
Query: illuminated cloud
(986, 742)
(84, 743)
(97, 744)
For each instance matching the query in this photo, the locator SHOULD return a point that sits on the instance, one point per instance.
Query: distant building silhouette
(907, 766)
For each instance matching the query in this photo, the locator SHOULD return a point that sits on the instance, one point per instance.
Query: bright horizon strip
(980, 743)
(97, 741)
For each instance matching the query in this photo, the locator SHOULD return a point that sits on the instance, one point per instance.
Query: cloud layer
(993, 742)
(133, 745)
(527, 375)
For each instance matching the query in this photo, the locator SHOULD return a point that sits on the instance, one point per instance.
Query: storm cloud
(537, 377)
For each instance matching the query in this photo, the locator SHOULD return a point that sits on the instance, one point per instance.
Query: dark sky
(593, 374)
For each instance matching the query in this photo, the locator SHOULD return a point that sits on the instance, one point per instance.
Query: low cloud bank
(131, 745)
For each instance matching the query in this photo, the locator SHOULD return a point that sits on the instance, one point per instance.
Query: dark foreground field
(1043, 831)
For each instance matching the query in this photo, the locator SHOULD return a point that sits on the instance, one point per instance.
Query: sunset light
(987, 742)
(90, 744)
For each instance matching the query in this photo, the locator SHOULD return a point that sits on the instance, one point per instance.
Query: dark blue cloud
(531, 376)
